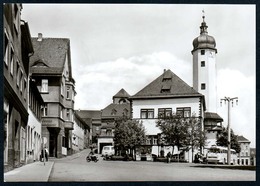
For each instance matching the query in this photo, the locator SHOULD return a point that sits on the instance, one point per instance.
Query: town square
(117, 92)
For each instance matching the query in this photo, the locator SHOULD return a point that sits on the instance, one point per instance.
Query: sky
(116, 46)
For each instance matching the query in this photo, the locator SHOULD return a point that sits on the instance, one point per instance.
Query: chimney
(164, 70)
(39, 37)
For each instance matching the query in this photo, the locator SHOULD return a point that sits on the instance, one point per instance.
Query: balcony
(69, 125)
(51, 122)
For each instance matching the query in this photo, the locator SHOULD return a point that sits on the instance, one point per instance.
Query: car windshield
(106, 148)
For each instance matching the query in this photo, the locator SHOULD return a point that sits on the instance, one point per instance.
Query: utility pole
(228, 99)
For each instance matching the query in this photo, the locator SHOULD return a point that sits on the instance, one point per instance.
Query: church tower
(205, 80)
(204, 67)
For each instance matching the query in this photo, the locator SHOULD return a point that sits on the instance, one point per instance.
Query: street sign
(44, 140)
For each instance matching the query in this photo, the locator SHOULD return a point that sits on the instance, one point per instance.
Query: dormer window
(166, 89)
(113, 113)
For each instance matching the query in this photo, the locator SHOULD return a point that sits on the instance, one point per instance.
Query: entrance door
(53, 145)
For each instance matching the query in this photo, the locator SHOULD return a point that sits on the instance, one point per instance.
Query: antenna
(203, 15)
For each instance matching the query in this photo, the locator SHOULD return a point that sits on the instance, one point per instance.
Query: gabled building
(34, 127)
(244, 155)
(253, 156)
(17, 49)
(80, 134)
(119, 108)
(93, 119)
(165, 95)
(51, 70)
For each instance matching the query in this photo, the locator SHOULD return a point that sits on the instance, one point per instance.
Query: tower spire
(203, 27)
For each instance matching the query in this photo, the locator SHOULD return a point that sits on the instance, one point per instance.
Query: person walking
(168, 157)
(46, 153)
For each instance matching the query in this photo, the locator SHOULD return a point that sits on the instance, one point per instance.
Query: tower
(204, 67)
(204, 79)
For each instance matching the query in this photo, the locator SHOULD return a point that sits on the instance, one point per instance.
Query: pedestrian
(168, 157)
(46, 153)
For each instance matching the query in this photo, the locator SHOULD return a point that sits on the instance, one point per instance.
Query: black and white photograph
(143, 92)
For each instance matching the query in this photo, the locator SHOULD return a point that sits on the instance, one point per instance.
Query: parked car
(108, 151)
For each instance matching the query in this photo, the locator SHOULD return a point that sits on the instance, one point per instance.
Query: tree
(182, 132)
(128, 133)
(196, 135)
(222, 139)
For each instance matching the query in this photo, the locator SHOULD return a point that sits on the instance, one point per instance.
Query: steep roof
(116, 110)
(242, 139)
(121, 94)
(166, 85)
(49, 55)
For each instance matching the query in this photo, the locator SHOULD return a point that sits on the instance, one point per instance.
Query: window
(68, 114)
(61, 88)
(16, 18)
(25, 89)
(184, 112)
(155, 141)
(203, 86)
(21, 81)
(164, 112)
(147, 113)
(12, 62)
(44, 87)
(202, 64)
(68, 93)
(61, 112)
(17, 74)
(44, 110)
(6, 56)
(202, 52)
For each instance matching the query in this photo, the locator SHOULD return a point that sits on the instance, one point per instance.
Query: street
(77, 169)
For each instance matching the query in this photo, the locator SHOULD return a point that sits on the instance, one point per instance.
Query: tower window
(202, 63)
(203, 86)
(202, 52)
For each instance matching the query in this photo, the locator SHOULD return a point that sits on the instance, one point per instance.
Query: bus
(218, 154)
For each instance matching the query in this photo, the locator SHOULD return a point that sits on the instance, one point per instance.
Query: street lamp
(228, 99)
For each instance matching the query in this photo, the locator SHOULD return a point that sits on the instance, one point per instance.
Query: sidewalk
(33, 172)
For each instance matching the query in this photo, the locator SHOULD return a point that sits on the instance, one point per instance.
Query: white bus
(218, 154)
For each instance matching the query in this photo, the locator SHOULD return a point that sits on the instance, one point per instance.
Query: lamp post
(228, 99)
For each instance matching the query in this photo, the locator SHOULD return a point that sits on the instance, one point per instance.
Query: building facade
(51, 70)
(244, 155)
(165, 95)
(80, 134)
(93, 119)
(17, 50)
(119, 108)
(34, 127)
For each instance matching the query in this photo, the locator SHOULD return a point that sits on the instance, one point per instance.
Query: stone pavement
(37, 171)
(33, 172)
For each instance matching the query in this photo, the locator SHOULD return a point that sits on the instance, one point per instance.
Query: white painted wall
(150, 124)
(33, 136)
(78, 133)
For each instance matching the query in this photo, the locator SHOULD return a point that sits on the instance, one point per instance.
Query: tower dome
(204, 41)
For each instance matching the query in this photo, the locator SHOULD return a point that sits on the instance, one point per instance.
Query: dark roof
(167, 85)
(121, 94)
(242, 139)
(212, 116)
(117, 109)
(52, 52)
(87, 114)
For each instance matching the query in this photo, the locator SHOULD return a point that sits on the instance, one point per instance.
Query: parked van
(108, 150)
